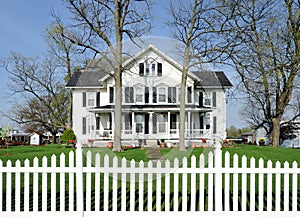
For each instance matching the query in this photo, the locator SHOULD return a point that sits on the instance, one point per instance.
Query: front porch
(144, 126)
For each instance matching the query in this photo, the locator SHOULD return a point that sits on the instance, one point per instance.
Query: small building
(36, 139)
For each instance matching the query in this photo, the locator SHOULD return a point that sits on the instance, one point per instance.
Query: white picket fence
(93, 185)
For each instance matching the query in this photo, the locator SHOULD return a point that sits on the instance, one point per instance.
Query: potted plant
(162, 143)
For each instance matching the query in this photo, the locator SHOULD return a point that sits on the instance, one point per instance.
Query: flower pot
(109, 144)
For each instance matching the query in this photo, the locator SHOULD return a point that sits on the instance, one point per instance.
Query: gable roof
(212, 79)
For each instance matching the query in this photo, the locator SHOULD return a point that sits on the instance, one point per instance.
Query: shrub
(68, 135)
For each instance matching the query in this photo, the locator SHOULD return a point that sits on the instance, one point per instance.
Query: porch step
(151, 143)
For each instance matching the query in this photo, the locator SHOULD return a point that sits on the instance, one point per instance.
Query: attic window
(150, 67)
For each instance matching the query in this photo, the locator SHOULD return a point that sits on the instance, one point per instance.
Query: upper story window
(162, 92)
(139, 94)
(207, 99)
(129, 94)
(91, 99)
(188, 94)
(150, 68)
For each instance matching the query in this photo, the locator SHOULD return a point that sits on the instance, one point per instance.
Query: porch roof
(149, 108)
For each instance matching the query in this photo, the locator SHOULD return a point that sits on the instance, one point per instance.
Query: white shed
(35, 139)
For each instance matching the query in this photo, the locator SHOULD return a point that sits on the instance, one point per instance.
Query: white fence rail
(90, 185)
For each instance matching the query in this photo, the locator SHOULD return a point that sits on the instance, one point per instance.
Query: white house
(150, 110)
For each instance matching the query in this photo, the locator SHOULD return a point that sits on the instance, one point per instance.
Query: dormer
(150, 67)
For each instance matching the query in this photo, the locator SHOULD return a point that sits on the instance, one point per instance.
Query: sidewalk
(154, 153)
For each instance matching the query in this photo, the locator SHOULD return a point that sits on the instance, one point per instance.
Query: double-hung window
(207, 99)
(91, 99)
(139, 94)
(129, 94)
(162, 92)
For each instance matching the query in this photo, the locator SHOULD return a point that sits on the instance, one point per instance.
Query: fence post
(218, 176)
(79, 179)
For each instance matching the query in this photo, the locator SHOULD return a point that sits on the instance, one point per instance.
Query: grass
(21, 153)
(29, 152)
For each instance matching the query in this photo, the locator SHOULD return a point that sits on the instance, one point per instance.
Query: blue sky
(22, 26)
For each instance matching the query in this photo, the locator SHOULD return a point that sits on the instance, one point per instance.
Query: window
(139, 94)
(161, 94)
(150, 68)
(153, 69)
(207, 99)
(139, 119)
(171, 94)
(91, 99)
(111, 95)
(128, 94)
(127, 123)
(162, 123)
(83, 99)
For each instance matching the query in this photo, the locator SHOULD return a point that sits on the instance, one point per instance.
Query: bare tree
(66, 55)
(42, 98)
(99, 26)
(197, 24)
(266, 55)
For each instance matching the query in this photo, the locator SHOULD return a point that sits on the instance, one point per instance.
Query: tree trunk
(118, 111)
(275, 132)
(182, 116)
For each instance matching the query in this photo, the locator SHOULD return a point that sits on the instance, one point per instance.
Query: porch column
(150, 123)
(112, 124)
(133, 126)
(189, 124)
(169, 123)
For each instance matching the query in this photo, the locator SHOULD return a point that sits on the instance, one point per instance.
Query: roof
(86, 78)
(212, 79)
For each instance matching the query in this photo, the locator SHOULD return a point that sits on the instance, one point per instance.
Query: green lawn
(29, 152)
(14, 153)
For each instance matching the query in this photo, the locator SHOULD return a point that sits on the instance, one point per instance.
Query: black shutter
(84, 99)
(189, 94)
(214, 99)
(83, 126)
(214, 124)
(159, 69)
(141, 69)
(154, 95)
(146, 94)
(97, 123)
(111, 94)
(169, 94)
(201, 99)
(98, 99)
(146, 123)
(174, 94)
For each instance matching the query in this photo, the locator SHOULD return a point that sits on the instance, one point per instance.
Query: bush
(68, 135)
